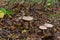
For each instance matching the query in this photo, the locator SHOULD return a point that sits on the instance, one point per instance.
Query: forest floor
(16, 28)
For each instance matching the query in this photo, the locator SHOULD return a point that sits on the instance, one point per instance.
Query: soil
(13, 28)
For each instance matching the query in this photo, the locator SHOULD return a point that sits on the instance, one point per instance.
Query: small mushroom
(43, 27)
(48, 25)
(28, 18)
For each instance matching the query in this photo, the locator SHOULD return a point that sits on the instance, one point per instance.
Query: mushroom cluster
(46, 25)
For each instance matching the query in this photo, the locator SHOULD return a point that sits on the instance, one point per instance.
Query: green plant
(11, 1)
(9, 13)
(41, 1)
(4, 11)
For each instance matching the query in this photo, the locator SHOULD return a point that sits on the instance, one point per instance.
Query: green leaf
(9, 13)
(11, 1)
(50, 2)
(3, 10)
(2, 14)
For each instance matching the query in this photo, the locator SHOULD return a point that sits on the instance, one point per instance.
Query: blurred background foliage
(44, 2)
(40, 1)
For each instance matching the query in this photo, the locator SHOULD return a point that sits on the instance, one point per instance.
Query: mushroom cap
(43, 27)
(28, 18)
(48, 25)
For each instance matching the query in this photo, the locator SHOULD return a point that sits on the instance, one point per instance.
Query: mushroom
(27, 18)
(43, 27)
(48, 25)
